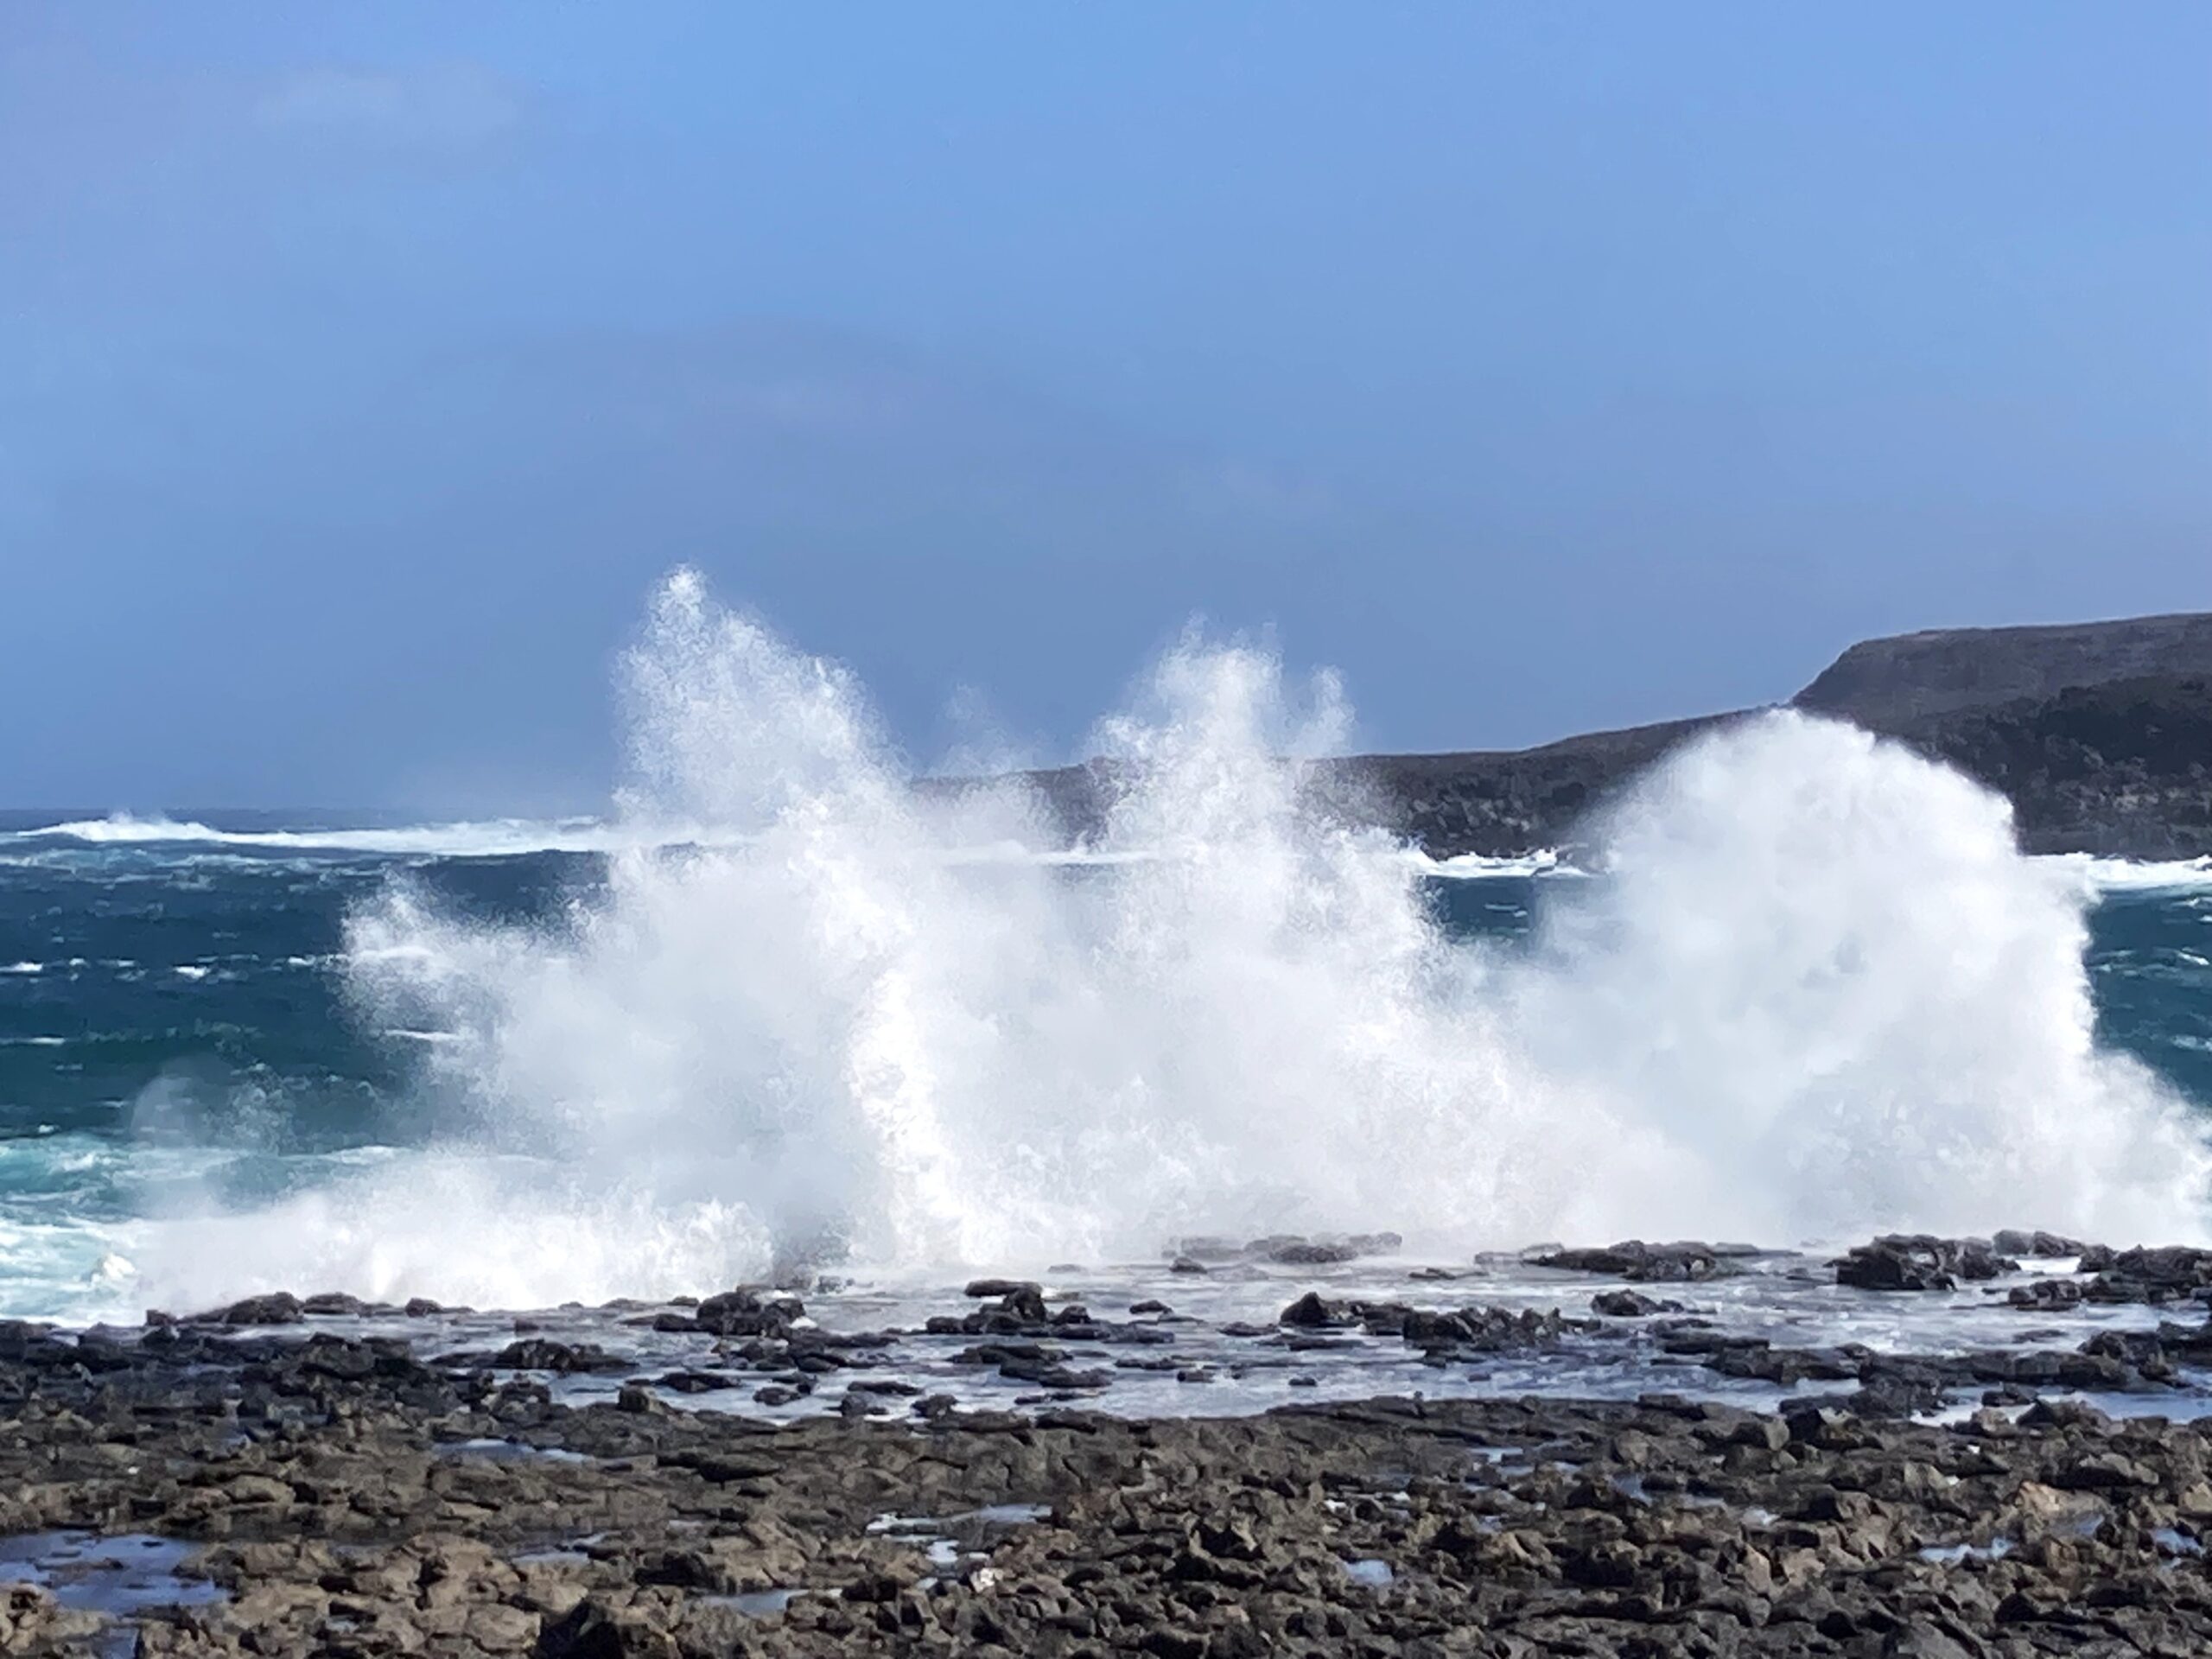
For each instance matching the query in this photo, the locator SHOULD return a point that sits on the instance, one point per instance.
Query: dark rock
(280, 1308)
(1918, 1262)
(984, 1287)
(1642, 1263)
(746, 1312)
(2172, 1273)
(1310, 1312)
(1628, 1304)
(1301, 1253)
(592, 1631)
(543, 1354)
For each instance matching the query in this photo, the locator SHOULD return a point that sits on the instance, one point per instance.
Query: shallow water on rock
(1148, 1340)
(117, 1576)
(1221, 1351)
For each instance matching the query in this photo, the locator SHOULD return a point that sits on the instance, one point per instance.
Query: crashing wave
(1816, 992)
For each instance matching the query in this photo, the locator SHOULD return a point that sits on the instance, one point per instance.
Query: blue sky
(1542, 367)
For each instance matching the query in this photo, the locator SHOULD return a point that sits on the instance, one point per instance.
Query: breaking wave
(1815, 992)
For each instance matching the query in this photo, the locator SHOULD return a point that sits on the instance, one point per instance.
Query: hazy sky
(1542, 366)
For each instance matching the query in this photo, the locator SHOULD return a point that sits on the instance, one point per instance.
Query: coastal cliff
(2100, 734)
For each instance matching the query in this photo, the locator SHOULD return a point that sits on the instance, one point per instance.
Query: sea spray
(1813, 992)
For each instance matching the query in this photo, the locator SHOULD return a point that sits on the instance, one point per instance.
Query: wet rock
(2171, 1273)
(334, 1304)
(1918, 1261)
(2016, 1241)
(1001, 1288)
(1311, 1311)
(564, 1359)
(746, 1312)
(365, 1502)
(1629, 1305)
(281, 1307)
(1642, 1263)
(1304, 1253)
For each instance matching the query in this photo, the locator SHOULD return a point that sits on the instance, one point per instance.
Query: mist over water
(1814, 993)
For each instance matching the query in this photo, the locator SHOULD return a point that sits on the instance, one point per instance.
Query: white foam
(2127, 875)
(1478, 866)
(496, 838)
(1817, 993)
(23, 967)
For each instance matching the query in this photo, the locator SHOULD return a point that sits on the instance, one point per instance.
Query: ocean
(771, 1015)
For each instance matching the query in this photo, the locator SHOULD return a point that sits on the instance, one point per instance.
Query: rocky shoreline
(274, 1478)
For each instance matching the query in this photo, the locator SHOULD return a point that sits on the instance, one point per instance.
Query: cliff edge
(2100, 734)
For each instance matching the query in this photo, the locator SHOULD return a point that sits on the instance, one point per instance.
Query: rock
(1628, 1304)
(2014, 1242)
(592, 1631)
(1310, 1312)
(987, 1287)
(1643, 1264)
(1825, 1428)
(496, 1628)
(542, 1354)
(281, 1307)
(358, 1502)
(2171, 1273)
(1919, 1262)
(1300, 1253)
(32, 1621)
(746, 1312)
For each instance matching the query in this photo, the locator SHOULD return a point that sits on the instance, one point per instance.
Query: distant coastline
(2100, 734)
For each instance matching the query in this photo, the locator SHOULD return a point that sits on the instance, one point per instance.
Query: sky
(1541, 368)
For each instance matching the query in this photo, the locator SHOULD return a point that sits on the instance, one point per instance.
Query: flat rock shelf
(2019, 1469)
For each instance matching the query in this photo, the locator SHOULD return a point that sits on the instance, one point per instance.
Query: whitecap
(2130, 876)
(492, 838)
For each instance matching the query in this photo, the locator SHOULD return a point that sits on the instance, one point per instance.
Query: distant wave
(2130, 876)
(518, 837)
(489, 838)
